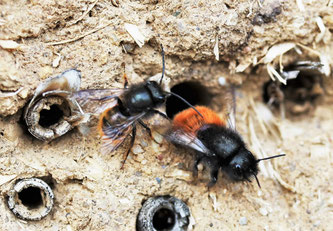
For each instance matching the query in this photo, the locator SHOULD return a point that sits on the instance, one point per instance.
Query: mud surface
(91, 193)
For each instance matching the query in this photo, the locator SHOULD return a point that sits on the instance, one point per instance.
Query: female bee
(215, 144)
(122, 109)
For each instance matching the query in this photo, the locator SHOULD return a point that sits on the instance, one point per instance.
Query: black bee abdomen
(220, 140)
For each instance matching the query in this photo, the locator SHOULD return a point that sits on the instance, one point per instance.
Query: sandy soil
(91, 193)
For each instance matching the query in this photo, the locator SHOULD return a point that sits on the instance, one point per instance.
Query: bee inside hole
(31, 197)
(164, 219)
(300, 95)
(193, 92)
(50, 117)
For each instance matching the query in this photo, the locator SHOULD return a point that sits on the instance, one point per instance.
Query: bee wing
(232, 109)
(115, 133)
(189, 140)
(95, 101)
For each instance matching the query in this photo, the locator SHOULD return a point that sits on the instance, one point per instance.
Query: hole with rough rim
(50, 117)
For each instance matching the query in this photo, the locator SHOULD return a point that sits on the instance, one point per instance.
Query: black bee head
(242, 166)
(156, 91)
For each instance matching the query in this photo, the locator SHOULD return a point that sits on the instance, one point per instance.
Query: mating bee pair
(197, 128)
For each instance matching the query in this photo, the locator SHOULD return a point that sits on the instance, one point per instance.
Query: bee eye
(238, 170)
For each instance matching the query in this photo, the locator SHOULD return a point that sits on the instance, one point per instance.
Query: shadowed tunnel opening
(193, 92)
(164, 219)
(50, 117)
(31, 197)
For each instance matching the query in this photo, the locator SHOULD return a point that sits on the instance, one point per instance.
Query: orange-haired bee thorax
(190, 121)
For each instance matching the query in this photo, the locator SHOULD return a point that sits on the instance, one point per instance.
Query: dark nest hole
(31, 197)
(164, 219)
(163, 213)
(193, 92)
(50, 117)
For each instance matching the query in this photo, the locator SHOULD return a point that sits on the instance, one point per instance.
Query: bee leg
(125, 76)
(213, 177)
(161, 114)
(145, 126)
(195, 166)
(130, 147)
(126, 81)
(214, 171)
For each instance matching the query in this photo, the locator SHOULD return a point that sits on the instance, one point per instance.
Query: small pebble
(263, 211)
(45, 72)
(56, 61)
(158, 180)
(316, 223)
(157, 137)
(138, 173)
(259, 193)
(24, 93)
(139, 157)
(144, 144)
(144, 162)
(243, 221)
(222, 81)
(180, 166)
(137, 149)
(200, 167)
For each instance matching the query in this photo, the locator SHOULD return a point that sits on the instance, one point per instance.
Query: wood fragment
(216, 49)
(10, 94)
(322, 29)
(300, 5)
(85, 13)
(79, 37)
(10, 45)
(135, 33)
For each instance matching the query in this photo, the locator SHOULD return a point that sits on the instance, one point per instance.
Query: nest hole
(164, 219)
(193, 92)
(31, 197)
(304, 87)
(50, 117)
(163, 213)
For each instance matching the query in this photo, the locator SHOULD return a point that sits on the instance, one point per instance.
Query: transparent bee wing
(187, 139)
(115, 129)
(95, 101)
(231, 121)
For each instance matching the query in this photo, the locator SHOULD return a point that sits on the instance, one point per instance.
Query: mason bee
(122, 109)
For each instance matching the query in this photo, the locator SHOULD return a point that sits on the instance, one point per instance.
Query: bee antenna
(185, 101)
(270, 157)
(255, 176)
(163, 63)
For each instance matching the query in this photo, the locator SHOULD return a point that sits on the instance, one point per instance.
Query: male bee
(215, 144)
(122, 109)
